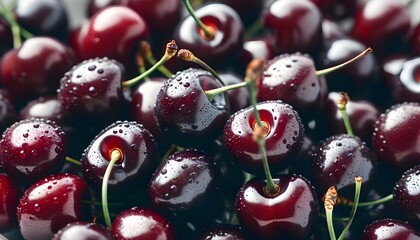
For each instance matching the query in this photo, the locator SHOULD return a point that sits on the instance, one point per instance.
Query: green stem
(115, 156)
(137, 79)
(17, 41)
(207, 67)
(74, 161)
(271, 188)
(254, 28)
(330, 224)
(376, 202)
(25, 33)
(211, 94)
(354, 208)
(253, 93)
(190, 9)
(346, 122)
(165, 71)
(172, 148)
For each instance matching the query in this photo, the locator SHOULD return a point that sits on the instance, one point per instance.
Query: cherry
(32, 149)
(116, 39)
(362, 116)
(83, 231)
(95, 6)
(391, 229)
(256, 48)
(405, 84)
(7, 110)
(338, 160)
(223, 232)
(336, 9)
(185, 114)
(142, 223)
(390, 70)
(332, 30)
(395, 137)
(407, 195)
(290, 213)
(50, 204)
(138, 156)
(292, 79)
(392, 16)
(296, 25)
(283, 136)
(6, 37)
(91, 91)
(48, 107)
(226, 38)
(9, 199)
(35, 68)
(415, 40)
(43, 17)
(186, 184)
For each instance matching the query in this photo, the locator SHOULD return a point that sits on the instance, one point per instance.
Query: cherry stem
(171, 49)
(330, 200)
(170, 150)
(115, 156)
(343, 99)
(358, 187)
(145, 51)
(374, 202)
(326, 71)
(208, 33)
(187, 55)
(410, 3)
(211, 94)
(140, 64)
(254, 28)
(73, 161)
(5, 12)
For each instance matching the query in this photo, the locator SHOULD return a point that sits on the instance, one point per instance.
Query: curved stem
(74, 161)
(187, 55)
(165, 71)
(271, 187)
(211, 94)
(354, 208)
(330, 224)
(115, 156)
(376, 202)
(203, 27)
(5, 12)
(324, 72)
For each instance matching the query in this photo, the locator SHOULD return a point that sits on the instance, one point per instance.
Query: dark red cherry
(9, 199)
(405, 85)
(35, 68)
(48, 107)
(362, 116)
(395, 138)
(223, 232)
(390, 229)
(392, 17)
(7, 110)
(415, 40)
(390, 69)
(50, 204)
(238, 98)
(221, 50)
(257, 47)
(284, 136)
(185, 114)
(336, 9)
(137, 147)
(143, 102)
(32, 149)
(91, 91)
(84, 231)
(95, 6)
(161, 16)
(291, 78)
(186, 185)
(114, 39)
(288, 214)
(140, 223)
(338, 160)
(43, 17)
(407, 195)
(296, 26)
(6, 37)
(332, 30)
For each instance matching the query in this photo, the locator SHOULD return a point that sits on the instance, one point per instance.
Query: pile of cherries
(240, 137)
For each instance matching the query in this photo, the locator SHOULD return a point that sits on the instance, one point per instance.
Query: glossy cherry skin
(362, 116)
(32, 149)
(283, 139)
(184, 113)
(228, 39)
(45, 17)
(161, 16)
(292, 79)
(223, 232)
(9, 199)
(405, 85)
(35, 68)
(142, 223)
(6, 37)
(138, 149)
(338, 160)
(332, 30)
(7, 110)
(295, 25)
(390, 69)
(407, 194)
(48, 107)
(395, 138)
(257, 47)
(415, 40)
(143, 102)
(114, 39)
(288, 214)
(50, 204)
(390, 229)
(393, 19)
(186, 184)
(91, 91)
(84, 231)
